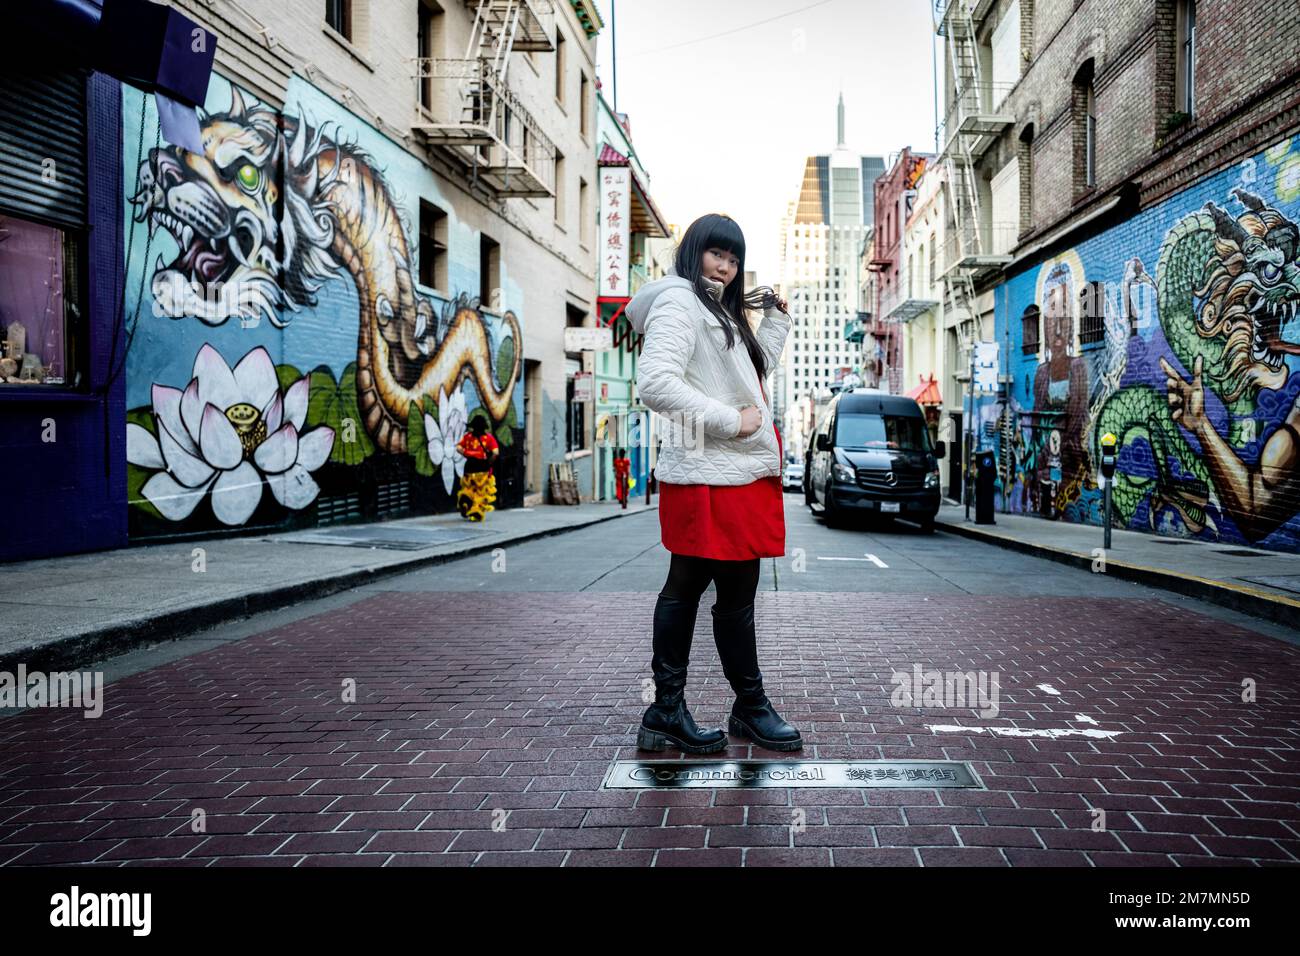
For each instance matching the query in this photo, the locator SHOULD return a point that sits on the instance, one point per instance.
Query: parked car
(793, 476)
(871, 454)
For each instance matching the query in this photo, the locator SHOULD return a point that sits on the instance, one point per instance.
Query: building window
(1026, 156)
(1085, 129)
(433, 247)
(559, 189)
(429, 47)
(489, 272)
(1092, 312)
(584, 212)
(1186, 77)
(583, 108)
(338, 14)
(40, 296)
(560, 57)
(1090, 121)
(1029, 326)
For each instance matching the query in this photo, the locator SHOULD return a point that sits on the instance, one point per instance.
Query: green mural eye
(249, 176)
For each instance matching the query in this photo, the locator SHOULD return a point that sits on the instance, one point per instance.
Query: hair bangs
(723, 232)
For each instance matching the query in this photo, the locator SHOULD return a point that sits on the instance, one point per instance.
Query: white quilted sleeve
(671, 330)
(771, 334)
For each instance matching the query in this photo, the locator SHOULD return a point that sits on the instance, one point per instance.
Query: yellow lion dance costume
(478, 485)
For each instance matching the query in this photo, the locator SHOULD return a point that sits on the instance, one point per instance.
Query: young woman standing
(721, 506)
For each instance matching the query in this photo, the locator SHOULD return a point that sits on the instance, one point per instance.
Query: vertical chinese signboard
(615, 195)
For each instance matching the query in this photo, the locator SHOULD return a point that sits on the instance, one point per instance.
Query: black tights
(689, 577)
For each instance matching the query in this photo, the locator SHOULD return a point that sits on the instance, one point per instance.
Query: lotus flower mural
(444, 436)
(228, 434)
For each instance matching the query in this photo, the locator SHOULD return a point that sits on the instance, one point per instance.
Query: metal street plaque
(675, 774)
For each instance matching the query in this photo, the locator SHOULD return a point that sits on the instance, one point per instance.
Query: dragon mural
(1189, 357)
(1228, 295)
(270, 211)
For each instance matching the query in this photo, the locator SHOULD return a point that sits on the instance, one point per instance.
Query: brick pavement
(475, 707)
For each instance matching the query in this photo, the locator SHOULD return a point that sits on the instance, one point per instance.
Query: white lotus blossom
(444, 439)
(223, 434)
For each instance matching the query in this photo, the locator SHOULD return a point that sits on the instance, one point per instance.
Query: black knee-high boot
(667, 721)
(752, 715)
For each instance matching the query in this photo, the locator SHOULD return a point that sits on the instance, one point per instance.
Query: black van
(871, 453)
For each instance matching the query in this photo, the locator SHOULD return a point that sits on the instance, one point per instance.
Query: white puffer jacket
(688, 376)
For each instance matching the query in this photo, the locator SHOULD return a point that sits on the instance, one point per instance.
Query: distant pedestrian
(478, 485)
(622, 471)
(721, 504)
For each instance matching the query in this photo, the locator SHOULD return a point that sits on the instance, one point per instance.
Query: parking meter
(1108, 442)
(1108, 448)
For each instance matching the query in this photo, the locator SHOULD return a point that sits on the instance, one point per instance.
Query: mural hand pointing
(1186, 399)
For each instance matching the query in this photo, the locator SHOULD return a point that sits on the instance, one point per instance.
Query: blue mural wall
(284, 365)
(1177, 332)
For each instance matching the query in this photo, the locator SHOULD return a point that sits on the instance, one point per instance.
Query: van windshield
(901, 432)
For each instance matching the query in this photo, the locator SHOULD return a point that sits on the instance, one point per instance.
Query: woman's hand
(782, 305)
(750, 420)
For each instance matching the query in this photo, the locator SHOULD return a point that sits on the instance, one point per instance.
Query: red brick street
(484, 721)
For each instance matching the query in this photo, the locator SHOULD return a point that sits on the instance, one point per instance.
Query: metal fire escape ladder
(957, 25)
(491, 132)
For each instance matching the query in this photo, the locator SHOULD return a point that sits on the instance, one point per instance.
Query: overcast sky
(725, 124)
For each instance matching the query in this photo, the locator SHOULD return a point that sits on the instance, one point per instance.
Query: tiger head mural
(247, 213)
(1251, 295)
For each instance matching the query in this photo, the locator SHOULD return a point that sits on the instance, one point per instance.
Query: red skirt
(729, 522)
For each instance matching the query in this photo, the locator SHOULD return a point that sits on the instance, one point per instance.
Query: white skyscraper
(821, 244)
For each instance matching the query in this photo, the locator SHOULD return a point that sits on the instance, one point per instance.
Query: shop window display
(38, 302)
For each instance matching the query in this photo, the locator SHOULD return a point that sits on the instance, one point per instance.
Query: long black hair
(714, 231)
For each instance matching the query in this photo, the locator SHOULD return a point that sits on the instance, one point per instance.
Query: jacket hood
(638, 309)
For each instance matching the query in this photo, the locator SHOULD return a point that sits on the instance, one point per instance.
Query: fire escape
(467, 112)
(971, 125)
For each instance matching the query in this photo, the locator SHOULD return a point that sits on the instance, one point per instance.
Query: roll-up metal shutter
(43, 144)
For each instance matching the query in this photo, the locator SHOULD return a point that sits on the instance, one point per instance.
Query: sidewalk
(60, 613)
(1251, 580)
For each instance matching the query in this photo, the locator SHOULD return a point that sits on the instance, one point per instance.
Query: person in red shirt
(478, 485)
(622, 469)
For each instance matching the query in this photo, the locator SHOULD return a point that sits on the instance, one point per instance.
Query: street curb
(75, 650)
(1237, 597)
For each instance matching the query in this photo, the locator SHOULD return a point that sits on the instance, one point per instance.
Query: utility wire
(714, 36)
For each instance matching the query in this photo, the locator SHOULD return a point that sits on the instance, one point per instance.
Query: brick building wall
(1215, 195)
(1248, 53)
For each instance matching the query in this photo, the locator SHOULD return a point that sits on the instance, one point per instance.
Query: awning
(646, 217)
(927, 393)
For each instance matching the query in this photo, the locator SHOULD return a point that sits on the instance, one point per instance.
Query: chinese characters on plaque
(615, 197)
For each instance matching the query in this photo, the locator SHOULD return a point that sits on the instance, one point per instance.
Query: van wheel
(927, 524)
(832, 515)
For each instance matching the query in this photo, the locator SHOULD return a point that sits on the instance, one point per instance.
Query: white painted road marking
(871, 557)
(1049, 689)
(1022, 732)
